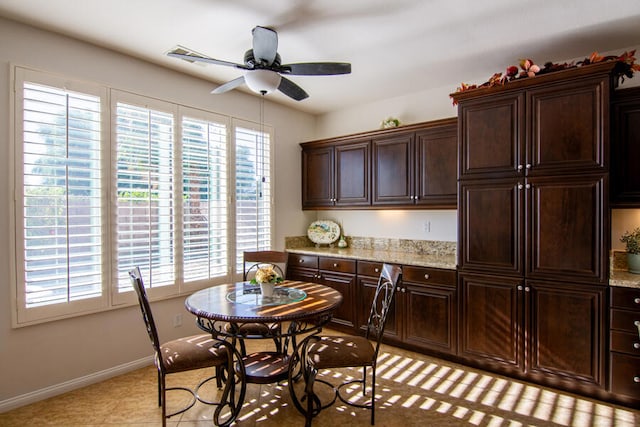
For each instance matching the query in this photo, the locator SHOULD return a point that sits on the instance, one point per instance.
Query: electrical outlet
(427, 226)
(177, 320)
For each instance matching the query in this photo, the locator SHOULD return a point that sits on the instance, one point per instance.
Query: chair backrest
(138, 285)
(382, 300)
(253, 260)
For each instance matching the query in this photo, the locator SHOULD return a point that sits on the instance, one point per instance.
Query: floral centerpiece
(267, 277)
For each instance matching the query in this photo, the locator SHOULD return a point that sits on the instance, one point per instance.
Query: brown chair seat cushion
(341, 352)
(194, 352)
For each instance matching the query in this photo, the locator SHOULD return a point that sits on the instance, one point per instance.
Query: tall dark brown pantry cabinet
(533, 227)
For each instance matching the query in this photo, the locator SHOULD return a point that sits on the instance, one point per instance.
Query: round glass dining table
(298, 307)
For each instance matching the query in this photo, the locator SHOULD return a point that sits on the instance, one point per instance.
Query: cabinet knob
(403, 290)
(519, 287)
(300, 261)
(636, 300)
(377, 270)
(637, 325)
(520, 186)
(335, 264)
(636, 345)
(528, 166)
(636, 379)
(426, 276)
(519, 167)
(527, 289)
(528, 186)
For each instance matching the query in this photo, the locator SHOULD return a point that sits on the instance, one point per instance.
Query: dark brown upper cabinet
(546, 125)
(411, 166)
(625, 149)
(336, 175)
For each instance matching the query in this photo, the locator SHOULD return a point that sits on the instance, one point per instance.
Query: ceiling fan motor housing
(250, 61)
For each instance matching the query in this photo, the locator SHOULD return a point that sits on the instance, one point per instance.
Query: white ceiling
(395, 47)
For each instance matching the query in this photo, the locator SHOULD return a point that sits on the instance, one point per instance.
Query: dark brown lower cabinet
(544, 331)
(624, 345)
(429, 303)
(368, 276)
(423, 316)
(337, 273)
(340, 274)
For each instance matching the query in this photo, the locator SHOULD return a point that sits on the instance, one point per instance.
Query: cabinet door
(437, 166)
(344, 316)
(566, 336)
(569, 126)
(317, 177)
(352, 174)
(490, 224)
(393, 170)
(366, 291)
(625, 149)
(490, 321)
(568, 228)
(430, 316)
(491, 136)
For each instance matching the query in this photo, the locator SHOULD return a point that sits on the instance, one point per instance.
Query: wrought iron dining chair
(252, 261)
(190, 353)
(319, 352)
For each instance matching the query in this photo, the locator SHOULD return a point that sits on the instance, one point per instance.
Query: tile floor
(413, 390)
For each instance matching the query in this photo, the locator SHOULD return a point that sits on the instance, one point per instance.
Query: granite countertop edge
(617, 278)
(443, 261)
(624, 279)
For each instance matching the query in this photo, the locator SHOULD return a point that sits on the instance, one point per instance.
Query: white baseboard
(54, 390)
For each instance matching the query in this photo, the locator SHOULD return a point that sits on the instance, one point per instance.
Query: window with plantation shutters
(253, 190)
(204, 199)
(145, 192)
(59, 213)
(106, 180)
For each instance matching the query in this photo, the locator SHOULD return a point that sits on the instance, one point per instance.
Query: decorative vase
(634, 263)
(342, 243)
(266, 289)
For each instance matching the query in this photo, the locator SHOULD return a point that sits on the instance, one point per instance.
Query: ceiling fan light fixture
(262, 81)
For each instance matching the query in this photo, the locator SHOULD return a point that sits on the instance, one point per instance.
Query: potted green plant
(632, 240)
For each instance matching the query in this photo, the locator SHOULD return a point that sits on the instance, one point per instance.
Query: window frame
(21, 315)
(110, 297)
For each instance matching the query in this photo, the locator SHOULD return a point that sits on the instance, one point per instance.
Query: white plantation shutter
(204, 198)
(253, 191)
(145, 191)
(59, 212)
(177, 191)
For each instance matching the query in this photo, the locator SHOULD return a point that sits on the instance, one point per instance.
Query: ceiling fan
(263, 70)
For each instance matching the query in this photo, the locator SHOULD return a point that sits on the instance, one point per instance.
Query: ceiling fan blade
(228, 85)
(191, 56)
(292, 90)
(317, 68)
(265, 45)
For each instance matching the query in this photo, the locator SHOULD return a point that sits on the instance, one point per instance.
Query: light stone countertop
(624, 279)
(621, 278)
(446, 261)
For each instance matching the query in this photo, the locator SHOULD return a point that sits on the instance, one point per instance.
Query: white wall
(35, 357)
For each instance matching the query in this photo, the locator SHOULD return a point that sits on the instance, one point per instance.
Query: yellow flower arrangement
(266, 274)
